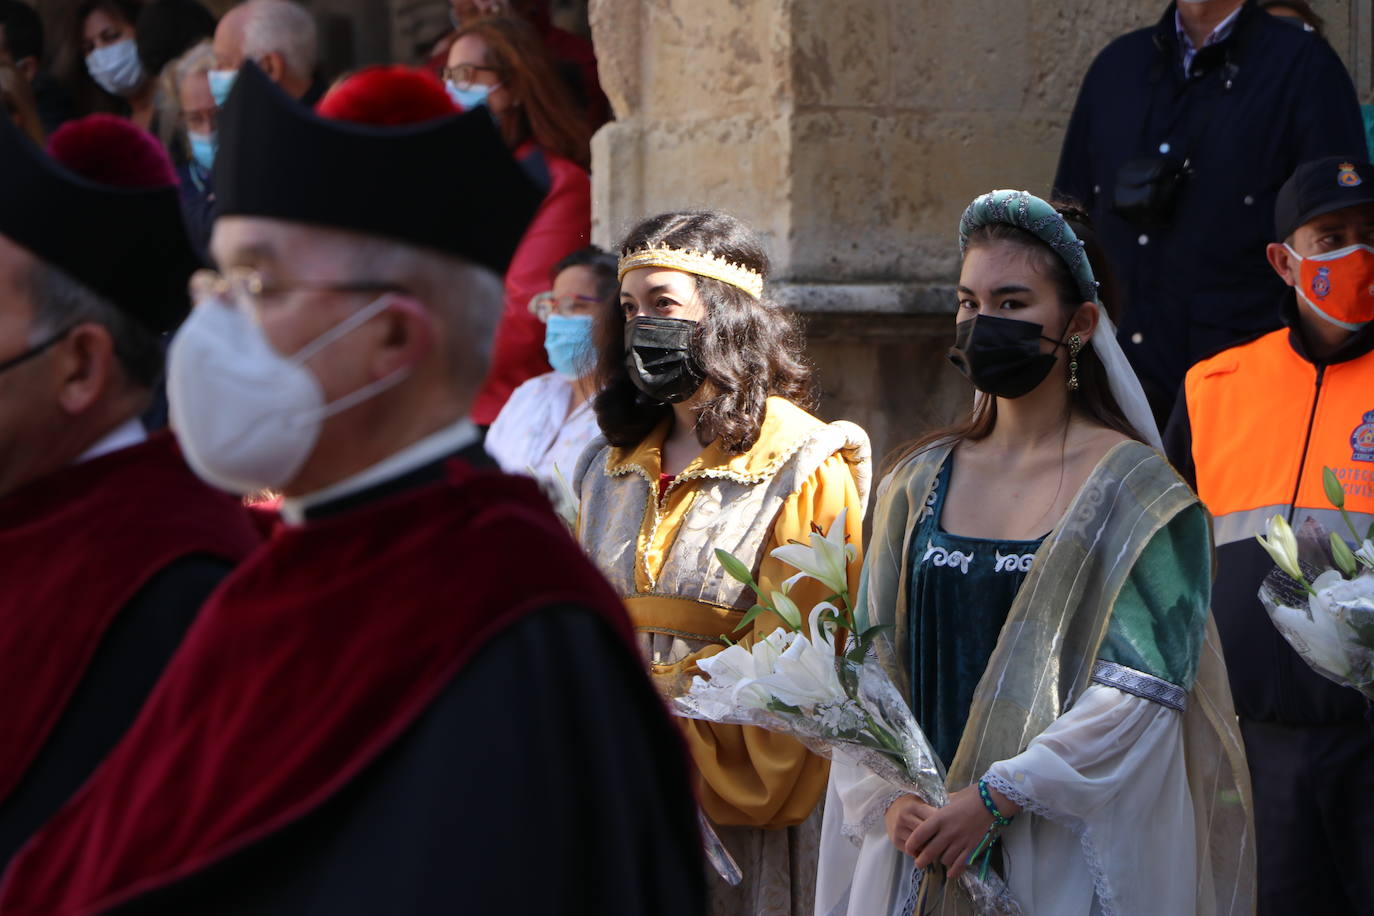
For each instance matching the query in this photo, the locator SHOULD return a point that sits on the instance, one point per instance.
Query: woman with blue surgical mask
(186, 82)
(549, 419)
(117, 82)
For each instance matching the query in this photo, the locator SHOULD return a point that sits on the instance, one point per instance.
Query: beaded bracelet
(999, 820)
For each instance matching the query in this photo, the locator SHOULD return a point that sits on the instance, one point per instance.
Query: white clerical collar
(130, 432)
(431, 448)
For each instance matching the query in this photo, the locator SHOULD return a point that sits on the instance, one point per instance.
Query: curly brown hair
(749, 349)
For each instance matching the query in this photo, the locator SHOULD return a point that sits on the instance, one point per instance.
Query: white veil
(1121, 378)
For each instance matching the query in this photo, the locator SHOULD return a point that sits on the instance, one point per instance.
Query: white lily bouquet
(836, 699)
(1321, 595)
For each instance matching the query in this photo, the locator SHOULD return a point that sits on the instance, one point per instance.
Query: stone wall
(852, 135)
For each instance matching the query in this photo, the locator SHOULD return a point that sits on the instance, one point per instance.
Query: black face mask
(658, 356)
(1001, 356)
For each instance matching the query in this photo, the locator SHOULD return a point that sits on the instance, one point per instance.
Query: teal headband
(1028, 212)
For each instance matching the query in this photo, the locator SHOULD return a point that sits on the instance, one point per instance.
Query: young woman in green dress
(1047, 577)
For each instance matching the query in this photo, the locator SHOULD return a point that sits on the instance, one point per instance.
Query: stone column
(852, 135)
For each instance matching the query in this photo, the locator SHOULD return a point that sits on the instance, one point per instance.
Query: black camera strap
(1148, 187)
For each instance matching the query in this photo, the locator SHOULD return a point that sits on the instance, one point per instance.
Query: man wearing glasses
(419, 686)
(108, 543)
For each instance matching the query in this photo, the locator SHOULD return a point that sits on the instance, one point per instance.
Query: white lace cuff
(875, 812)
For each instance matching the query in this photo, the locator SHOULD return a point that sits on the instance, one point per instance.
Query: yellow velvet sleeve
(750, 776)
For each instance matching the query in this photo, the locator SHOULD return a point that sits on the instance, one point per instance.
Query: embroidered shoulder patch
(1362, 439)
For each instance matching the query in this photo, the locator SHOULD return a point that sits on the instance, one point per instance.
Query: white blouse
(534, 433)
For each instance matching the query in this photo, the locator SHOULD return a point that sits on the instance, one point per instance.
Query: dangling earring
(1075, 345)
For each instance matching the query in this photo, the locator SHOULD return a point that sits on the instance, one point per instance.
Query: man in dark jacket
(1254, 428)
(1220, 103)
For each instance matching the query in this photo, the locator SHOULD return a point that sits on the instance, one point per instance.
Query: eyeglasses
(461, 75)
(546, 304)
(245, 289)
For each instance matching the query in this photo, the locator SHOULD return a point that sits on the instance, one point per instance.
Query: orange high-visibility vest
(1265, 422)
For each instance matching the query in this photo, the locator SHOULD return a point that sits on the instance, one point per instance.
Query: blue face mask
(116, 67)
(469, 98)
(221, 81)
(568, 341)
(203, 149)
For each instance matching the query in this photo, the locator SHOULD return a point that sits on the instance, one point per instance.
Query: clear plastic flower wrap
(1328, 621)
(839, 704)
(1320, 595)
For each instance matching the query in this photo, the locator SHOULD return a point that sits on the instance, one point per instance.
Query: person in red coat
(499, 63)
(419, 696)
(108, 543)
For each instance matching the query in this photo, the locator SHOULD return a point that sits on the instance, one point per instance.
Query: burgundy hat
(114, 233)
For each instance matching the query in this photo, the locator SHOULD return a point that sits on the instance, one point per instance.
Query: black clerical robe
(419, 702)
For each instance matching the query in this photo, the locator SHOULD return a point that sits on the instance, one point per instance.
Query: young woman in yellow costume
(705, 446)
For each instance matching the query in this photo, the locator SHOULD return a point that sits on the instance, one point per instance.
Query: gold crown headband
(694, 262)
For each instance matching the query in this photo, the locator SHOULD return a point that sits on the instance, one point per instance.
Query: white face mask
(247, 417)
(116, 67)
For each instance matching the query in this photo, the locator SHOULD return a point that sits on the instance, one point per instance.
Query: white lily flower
(729, 667)
(823, 631)
(805, 675)
(766, 651)
(1282, 545)
(1366, 553)
(825, 559)
(1313, 632)
(731, 673)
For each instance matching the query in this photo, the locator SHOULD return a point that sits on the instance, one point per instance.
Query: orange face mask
(1339, 285)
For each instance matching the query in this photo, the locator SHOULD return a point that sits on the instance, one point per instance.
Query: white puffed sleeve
(1106, 811)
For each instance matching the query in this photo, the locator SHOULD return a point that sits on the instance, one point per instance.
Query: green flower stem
(1349, 523)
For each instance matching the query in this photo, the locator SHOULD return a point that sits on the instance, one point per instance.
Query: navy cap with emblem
(1322, 186)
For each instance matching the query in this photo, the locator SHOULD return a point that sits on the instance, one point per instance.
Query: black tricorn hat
(127, 244)
(448, 184)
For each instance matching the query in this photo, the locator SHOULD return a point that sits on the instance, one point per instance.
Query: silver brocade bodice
(731, 511)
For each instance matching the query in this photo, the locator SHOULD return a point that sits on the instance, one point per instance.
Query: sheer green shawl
(1053, 633)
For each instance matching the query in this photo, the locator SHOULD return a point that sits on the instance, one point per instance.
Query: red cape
(310, 660)
(75, 547)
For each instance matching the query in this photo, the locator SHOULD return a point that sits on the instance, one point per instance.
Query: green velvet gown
(961, 589)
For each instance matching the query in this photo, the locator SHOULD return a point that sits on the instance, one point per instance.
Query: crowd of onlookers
(1218, 153)
(168, 66)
